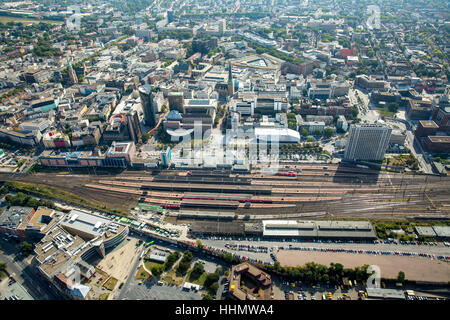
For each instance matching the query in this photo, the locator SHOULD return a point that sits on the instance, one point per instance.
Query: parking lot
(12, 290)
(300, 291)
(150, 290)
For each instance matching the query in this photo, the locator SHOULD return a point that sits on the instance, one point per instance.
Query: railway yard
(338, 190)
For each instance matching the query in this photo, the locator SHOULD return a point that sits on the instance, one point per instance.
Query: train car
(286, 174)
(185, 203)
(217, 196)
(169, 204)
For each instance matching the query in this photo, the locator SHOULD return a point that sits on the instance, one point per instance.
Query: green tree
(26, 248)
(2, 269)
(145, 137)
(157, 270)
(214, 287)
(207, 296)
(305, 132)
(211, 278)
(199, 244)
(171, 259)
(328, 132)
(393, 107)
(197, 270)
(401, 277)
(228, 257)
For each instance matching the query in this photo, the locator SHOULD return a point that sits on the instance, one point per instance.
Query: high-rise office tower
(230, 81)
(367, 142)
(146, 94)
(169, 16)
(73, 79)
(134, 127)
(176, 101)
(222, 26)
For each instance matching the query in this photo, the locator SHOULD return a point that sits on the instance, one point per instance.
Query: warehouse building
(442, 232)
(276, 229)
(349, 230)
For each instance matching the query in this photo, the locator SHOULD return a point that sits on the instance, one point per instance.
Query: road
(130, 279)
(27, 276)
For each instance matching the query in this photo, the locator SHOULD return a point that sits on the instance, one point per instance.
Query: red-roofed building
(348, 52)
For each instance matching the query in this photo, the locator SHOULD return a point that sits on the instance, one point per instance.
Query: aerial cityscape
(248, 150)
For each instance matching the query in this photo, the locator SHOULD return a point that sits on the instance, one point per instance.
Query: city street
(38, 287)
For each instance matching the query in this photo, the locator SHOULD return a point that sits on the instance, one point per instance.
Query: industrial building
(350, 230)
(436, 232)
(282, 229)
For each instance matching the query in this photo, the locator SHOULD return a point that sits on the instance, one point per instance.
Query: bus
(149, 243)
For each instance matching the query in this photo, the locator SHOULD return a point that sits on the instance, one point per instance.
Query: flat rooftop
(425, 231)
(440, 139)
(442, 231)
(16, 217)
(428, 124)
(313, 229)
(57, 248)
(89, 225)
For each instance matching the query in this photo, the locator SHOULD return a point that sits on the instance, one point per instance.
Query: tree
(401, 277)
(197, 270)
(211, 278)
(145, 137)
(393, 107)
(199, 244)
(171, 259)
(157, 270)
(328, 132)
(207, 296)
(219, 270)
(26, 248)
(214, 287)
(228, 257)
(305, 132)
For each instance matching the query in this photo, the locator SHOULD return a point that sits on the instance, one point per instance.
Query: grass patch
(172, 278)
(385, 112)
(200, 280)
(103, 296)
(150, 264)
(111, 283)
(142, 274)
(59, 194)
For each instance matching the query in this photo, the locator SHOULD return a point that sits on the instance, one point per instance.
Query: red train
(223, 197)
(286, 174)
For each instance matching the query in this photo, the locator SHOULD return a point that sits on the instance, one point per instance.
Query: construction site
(334, 191)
